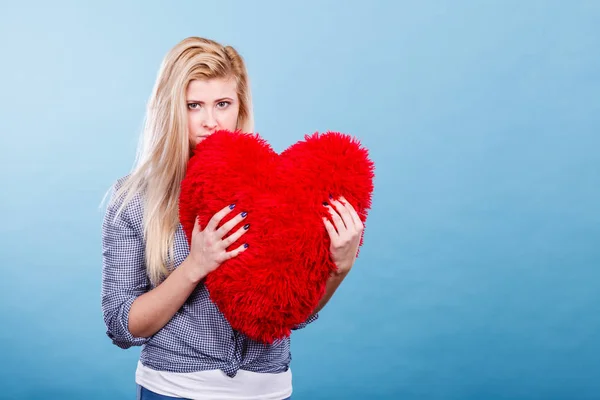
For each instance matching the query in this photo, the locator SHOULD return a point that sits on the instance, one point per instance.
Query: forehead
(214, 88)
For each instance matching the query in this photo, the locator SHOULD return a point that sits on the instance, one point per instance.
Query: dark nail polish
(325, 203)
(246, 245)
(330, 196)
(232, 206)
(244, 214)
(246, 226)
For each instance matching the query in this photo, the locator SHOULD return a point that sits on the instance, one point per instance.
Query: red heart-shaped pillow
(278, 281)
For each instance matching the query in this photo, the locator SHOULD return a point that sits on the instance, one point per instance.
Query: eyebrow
(216, 101)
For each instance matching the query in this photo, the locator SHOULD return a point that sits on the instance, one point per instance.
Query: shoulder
(131, 212)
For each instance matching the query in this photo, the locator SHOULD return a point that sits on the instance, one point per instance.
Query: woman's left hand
(345, 234)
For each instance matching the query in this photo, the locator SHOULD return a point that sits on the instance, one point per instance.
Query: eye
(193, 106)
(223, 104)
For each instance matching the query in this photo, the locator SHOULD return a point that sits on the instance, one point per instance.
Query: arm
(152, 310)
(345, 233)
(133, 312)
(124, 276)
(334, 281)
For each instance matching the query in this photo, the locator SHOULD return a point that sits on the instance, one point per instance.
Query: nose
(209, 121)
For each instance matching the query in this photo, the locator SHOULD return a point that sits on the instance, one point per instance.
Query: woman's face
(212, 104)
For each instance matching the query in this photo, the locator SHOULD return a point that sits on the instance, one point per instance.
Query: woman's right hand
(208, 248)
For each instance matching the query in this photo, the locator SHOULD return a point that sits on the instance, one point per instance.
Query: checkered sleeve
(309, 320)
(123, 273)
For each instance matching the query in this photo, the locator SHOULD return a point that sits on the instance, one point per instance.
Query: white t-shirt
(216, 385)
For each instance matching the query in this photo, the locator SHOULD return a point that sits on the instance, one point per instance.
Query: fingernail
(246, 226)
(330, 196)
(246, 245)
(325, 203)
(232, 206)
(244, 214)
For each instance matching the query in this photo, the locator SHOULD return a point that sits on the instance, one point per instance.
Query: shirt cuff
(309, 320)
(120, 334)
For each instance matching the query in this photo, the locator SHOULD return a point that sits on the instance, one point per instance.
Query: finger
(355, 217)
(236, 252)
(337, 220)
(330, 229)
(196, 224)
(224, 230)
(216, 219)
(235, 236)
(343, 211)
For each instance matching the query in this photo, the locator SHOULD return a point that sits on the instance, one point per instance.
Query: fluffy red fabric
(278, 281)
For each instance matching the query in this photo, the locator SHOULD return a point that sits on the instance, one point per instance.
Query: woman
(152, 283)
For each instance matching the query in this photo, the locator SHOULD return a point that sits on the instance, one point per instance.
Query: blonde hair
(164, 148)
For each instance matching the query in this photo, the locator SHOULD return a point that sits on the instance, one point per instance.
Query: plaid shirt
(198, 337)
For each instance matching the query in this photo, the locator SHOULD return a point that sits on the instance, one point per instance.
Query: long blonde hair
(164, 148)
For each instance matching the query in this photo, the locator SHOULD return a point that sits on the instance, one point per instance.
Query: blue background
(479, 274)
